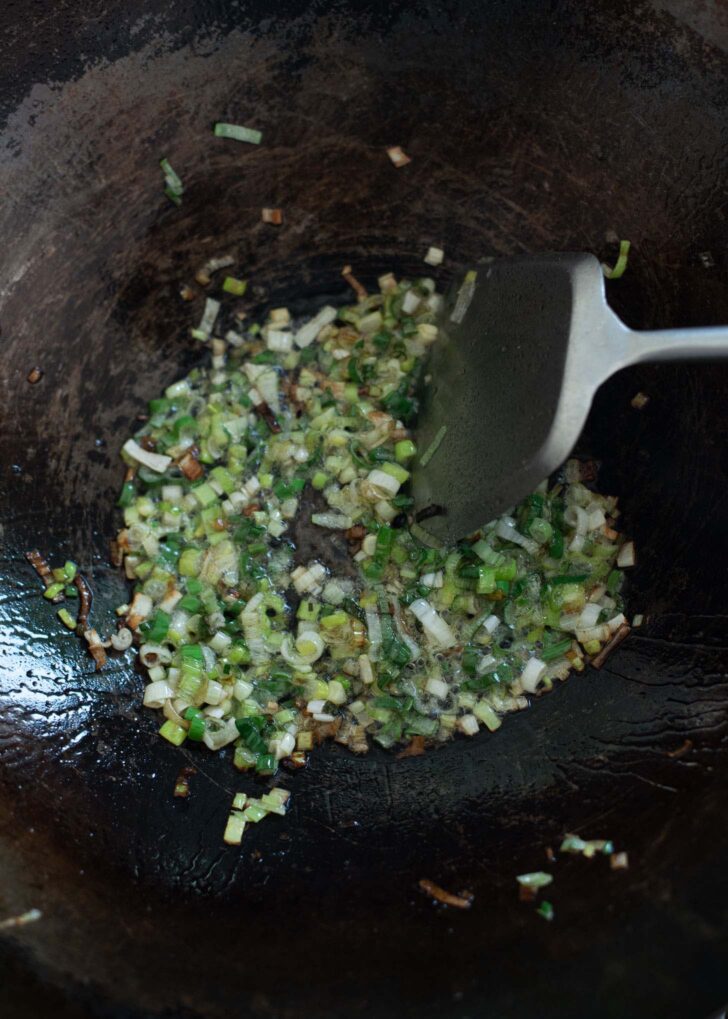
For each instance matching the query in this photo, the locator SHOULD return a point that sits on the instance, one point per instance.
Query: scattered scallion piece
(30, 916)
(546, 910)
(434, 256)
(174, 733)
(254, 811)
(464, 297)
(238, 132)
(588, 848)
(173, 182)
(54, 590)
(536, 879)
(234, 829)
(613, 273)
(67, 619)
(434, 446)
(398, 156)
(231, 285)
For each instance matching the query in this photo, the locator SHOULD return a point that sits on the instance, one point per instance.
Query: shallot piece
(463, 901)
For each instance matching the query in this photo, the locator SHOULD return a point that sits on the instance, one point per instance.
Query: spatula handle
(677, 344)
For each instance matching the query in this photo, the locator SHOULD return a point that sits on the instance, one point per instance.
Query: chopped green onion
(250, 732)
(254, 811)
(614, 581)
(395, 471)
(238, 132)
(556, 548)
(464, 297)
(174, 733)
(244, 759)
(231, 285)
(621, 263)
(173, 180)
(266, 764)
(536, 879)
(196, 730)
(546, 910)
(205, 495)
(555, 650)
(575, 844)
(234, 829)
(173, 183)
(189, 562)
(66, 618)
(210, 540)
(155, 629)
(127, 494)
(486, 580)
(540, 530)
(570, 578)
(434, 446)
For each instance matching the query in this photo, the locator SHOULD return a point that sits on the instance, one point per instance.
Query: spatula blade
(495, 410)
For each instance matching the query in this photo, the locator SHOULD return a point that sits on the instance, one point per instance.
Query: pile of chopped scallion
(246, 643)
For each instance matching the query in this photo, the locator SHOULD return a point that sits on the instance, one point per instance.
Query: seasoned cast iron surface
(531, 126)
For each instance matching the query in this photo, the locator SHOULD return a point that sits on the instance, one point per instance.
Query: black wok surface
(532, 126)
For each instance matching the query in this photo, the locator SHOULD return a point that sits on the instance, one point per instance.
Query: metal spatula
(526, 343)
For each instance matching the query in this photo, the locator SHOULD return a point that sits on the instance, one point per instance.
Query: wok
(531, 126)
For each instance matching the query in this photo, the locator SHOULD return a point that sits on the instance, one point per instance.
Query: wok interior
(527, 132)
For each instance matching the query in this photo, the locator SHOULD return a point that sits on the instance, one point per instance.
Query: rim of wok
(528, 129)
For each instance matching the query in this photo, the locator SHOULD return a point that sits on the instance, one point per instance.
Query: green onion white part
(588, 848)
(248, 645)
(465, 296)
(434, 256)
(398, 156)
(207, 322)
(535, 880)
(30, 916)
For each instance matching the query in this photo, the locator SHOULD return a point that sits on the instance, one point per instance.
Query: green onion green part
(434, 446)
(173, 182)
(621, 263)
(238, 132)
(546, 910)
(231, 285)
(67, 619)
(536, 879)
